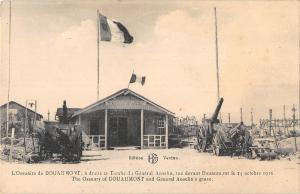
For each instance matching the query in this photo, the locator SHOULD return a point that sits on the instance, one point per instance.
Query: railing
(154, 141)
(97, 141)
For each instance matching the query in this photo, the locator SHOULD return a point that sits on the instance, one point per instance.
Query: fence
(154, 141)
(97, 141)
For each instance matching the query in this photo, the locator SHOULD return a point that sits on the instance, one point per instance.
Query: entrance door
(113, 131)
(118, 131)
(122, 131)
(94, 127)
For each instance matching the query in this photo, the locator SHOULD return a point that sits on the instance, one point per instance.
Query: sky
(54, 54)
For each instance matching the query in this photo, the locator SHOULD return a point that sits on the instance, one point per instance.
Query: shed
(126, 118)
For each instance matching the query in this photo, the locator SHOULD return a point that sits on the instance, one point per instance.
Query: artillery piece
(208, 129)
(223, 139)
(63, 139)
(232, 140)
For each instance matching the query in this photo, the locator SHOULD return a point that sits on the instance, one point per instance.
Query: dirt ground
(214, 174)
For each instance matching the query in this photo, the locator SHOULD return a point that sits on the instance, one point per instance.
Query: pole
(299, 89)
(252, 124)
(11, 144)
(272, 129)
(35, 106)
(217, 54)
(34, 125)
(294, 126)
(98, 39)
(8, 87)
(48, 114)
(270, 121)
(284, 121)
(130, 79)
(217, 60)
(25, 126)
(0, 125)
(241, 114)
(229, 118)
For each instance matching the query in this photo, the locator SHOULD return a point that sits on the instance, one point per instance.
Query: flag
(111, 30)
(134, 78)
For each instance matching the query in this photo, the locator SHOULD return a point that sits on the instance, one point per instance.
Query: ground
(215, 173)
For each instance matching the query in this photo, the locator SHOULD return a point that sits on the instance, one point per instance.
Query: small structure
(70, 112)
(17, 115)
(124, 119)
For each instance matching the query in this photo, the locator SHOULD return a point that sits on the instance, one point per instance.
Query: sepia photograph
(140, 96)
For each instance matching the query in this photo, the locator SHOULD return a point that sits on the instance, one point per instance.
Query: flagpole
(130, 78)
(98, 33)
(217, 57)
(8, 87)
(217, 54)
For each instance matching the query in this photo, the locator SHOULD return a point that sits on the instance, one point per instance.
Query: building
(70, 112)
(17, 116)
(125, 118)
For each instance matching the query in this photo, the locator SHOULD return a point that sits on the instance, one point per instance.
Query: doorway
(118, 131)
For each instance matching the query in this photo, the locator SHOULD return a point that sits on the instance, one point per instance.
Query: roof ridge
(117, 94)
(12, 101)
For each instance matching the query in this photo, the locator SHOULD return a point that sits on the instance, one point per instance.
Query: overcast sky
(54, 54)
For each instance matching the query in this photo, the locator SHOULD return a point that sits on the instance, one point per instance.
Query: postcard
(140, 96)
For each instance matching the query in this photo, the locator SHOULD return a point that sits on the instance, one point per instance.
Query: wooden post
(34, 125)
(272, 128)
(229, 118)
(0, 125)
(105, 128)
(25, 126)
(11, 144)
(252, 124)
(7, 118)
(241, 114)
(270, 122)
(142, 129)
(48, 114)
(294, 126)
(167, 132)
(284, 121)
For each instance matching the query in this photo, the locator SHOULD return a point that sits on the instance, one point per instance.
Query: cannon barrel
(216, 113)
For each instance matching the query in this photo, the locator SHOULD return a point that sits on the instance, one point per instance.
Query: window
(161, 126)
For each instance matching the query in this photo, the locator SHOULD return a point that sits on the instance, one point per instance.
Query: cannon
(208, 129)
(232, 140)
(223, 139)
(62, 139)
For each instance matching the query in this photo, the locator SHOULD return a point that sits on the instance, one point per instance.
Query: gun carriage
(222, 139)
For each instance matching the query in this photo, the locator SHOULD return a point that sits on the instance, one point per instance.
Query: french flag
(111, 30)
(134, 78)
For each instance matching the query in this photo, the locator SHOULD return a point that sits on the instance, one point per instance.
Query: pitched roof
(120, 92)
(59, 111)
(13, 102)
